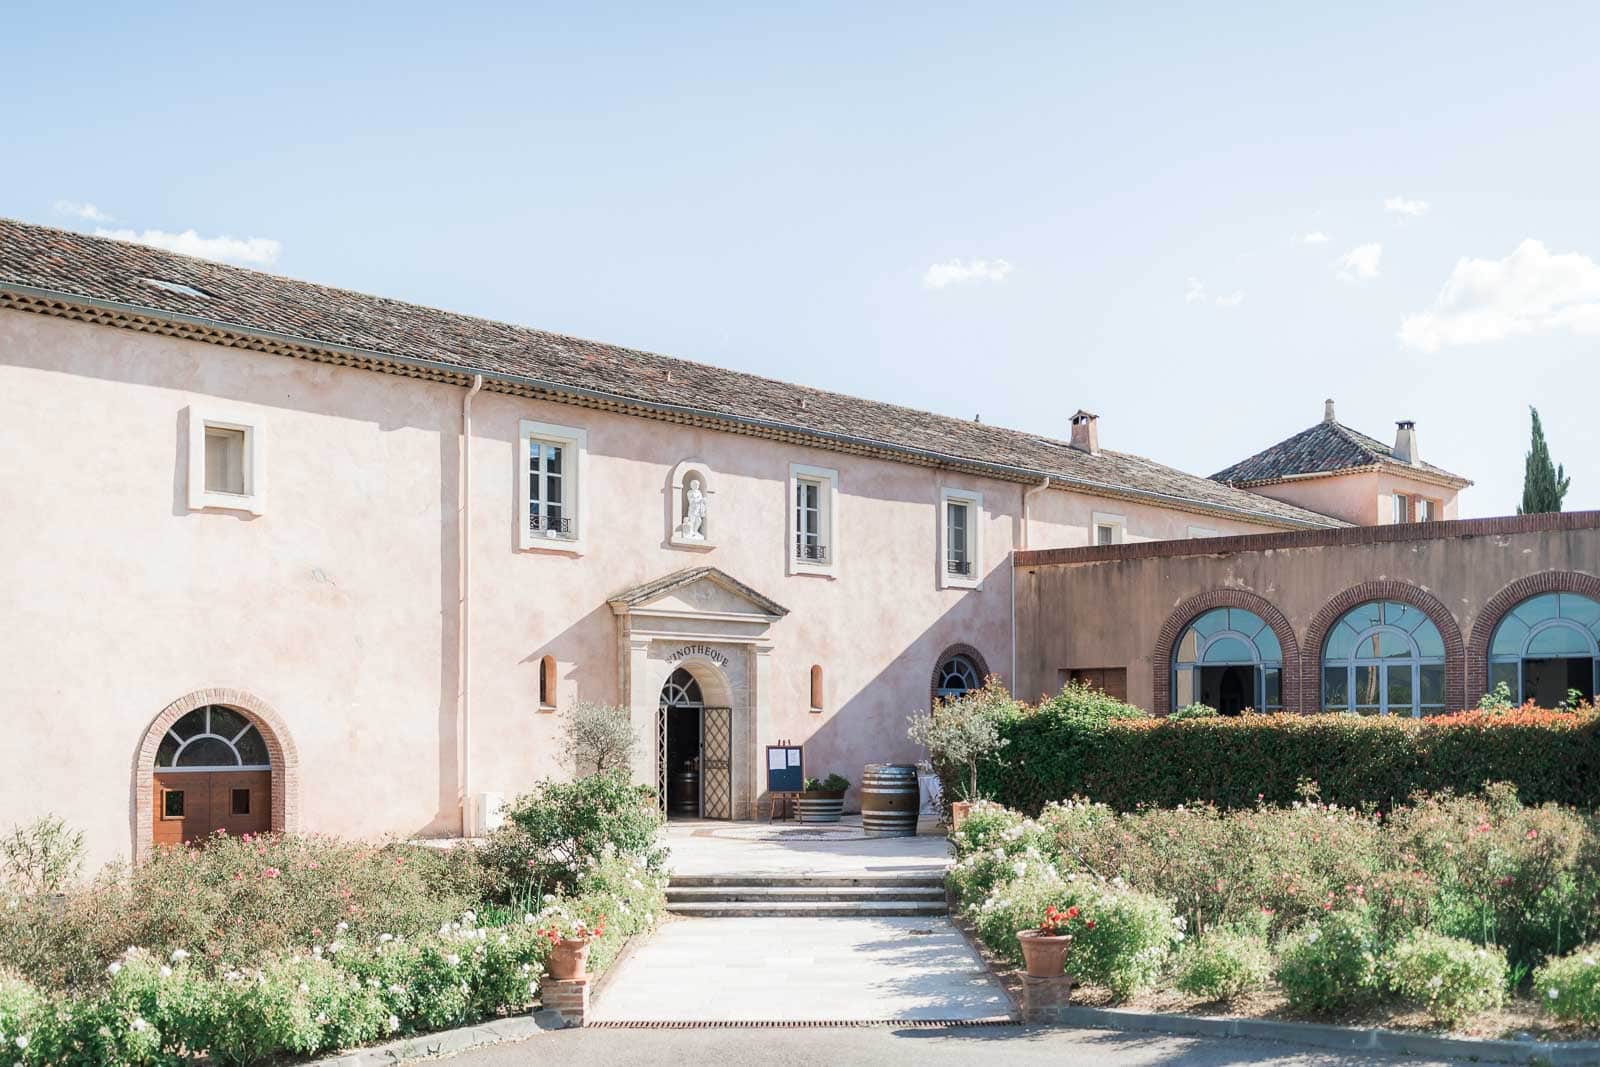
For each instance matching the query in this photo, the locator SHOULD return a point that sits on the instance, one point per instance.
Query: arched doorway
(231, 763)
(212, 772)
(694, 743)
(1229, 659)
(1547, 650)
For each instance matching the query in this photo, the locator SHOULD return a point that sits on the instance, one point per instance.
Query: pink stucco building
(285, 555)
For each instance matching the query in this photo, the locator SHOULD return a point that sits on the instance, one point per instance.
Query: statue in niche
(694, 512)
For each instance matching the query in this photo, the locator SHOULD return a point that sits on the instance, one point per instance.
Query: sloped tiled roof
(1326, 448)
(39, 263)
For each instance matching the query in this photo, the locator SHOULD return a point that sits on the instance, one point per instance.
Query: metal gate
(716, 763)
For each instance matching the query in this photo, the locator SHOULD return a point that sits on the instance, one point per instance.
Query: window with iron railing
(958, 539)
(548, 490)
(810, 544)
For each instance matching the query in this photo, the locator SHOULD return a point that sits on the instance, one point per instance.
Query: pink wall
(337, 605)
(1364, 498)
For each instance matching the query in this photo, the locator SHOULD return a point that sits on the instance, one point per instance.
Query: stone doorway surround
(719, 630)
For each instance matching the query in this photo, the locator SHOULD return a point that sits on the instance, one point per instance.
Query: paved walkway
(802, 969)
(927, 1048)
(708, 846)
(811, 970)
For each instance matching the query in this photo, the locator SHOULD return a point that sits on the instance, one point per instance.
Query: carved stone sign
(703, 651)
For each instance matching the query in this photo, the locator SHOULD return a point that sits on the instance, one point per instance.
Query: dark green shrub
(1331, 966)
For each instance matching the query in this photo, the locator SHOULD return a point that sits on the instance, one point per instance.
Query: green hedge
(1059, 750)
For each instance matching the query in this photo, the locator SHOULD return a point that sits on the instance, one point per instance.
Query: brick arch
(281, 753)
(1193, 608)
(956, 650)
(1502, 602)
(1455, 675)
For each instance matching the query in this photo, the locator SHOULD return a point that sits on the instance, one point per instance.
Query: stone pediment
(705, 592)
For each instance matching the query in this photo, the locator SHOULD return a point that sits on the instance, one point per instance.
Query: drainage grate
(795, 1024)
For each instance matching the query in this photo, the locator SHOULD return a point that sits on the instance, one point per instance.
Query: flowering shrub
(561, 829)
(233, 901)
(1569, 987)
(1455, 979)
(1223, 963)
(1124, 947)
(1332, 965)
(1081, 744)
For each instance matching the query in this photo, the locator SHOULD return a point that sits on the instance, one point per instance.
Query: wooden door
(192, 805)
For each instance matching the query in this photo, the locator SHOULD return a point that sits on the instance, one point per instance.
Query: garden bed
(1463, 916)
(252, 949)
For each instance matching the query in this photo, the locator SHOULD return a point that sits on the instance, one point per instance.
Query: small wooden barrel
(683, 793)
(889, 800)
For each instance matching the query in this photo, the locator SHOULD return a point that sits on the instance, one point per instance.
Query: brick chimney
(1086, 432)
(1405, 442)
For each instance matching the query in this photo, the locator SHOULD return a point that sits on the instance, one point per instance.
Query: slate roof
(104, 272)
(1329, 447)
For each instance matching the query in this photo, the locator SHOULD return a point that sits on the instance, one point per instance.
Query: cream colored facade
(336, 598)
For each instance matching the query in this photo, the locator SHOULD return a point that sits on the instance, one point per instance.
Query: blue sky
(1013, 210)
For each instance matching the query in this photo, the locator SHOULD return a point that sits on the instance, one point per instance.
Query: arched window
(956, 675)
(681, 691)
(547, 683)
(211, 738)
(1383, 657)
(1546, 646)
(1230, 659)
(816, 687)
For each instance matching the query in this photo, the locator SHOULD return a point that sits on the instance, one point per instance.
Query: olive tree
(962, 731)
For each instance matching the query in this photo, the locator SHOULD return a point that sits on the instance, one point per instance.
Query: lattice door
(661, 759)
(716, 763)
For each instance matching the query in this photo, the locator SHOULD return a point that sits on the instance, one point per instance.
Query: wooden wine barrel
(683, 793)
(889, 800)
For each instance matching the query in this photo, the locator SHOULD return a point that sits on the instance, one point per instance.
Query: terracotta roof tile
(116, 272)
(1326, 448)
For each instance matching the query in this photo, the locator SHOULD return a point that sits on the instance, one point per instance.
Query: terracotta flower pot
(820, 806)
(1044, 955)
(959, 810)
(568, 958)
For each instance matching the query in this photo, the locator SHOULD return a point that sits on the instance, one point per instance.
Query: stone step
(708, 893)
(841, 909)
(818, 881)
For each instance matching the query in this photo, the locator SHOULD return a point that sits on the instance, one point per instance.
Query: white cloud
(80, 211)
(1315, 237)
(258, 251)
(1399, 205)
(956, 272)
(1531, 291)
(1194, 292)
(1360, 263)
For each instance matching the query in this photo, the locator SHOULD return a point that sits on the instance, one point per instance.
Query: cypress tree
(1544, 484)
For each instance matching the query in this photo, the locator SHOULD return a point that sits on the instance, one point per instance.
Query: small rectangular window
(958, 553)
(1105, 535)
(1402, 508)
(810, 542)
(547, 513)
(241, 802)
(551, 475)
(224, 460)
(172, 803)
(1107, 529)
(1425, 510)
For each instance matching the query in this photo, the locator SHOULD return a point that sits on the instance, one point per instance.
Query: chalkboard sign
(785, 771)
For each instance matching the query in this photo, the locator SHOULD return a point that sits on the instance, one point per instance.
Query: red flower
(270, 872)
(1072, 912)
(1532, 834)
(1089, 923)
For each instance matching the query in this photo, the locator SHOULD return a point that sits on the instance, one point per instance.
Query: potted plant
(822, 801)
(570, 939)
(959, 733)
(1044, 947)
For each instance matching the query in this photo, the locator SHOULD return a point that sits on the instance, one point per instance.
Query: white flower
(166, 972)
(1313, 937)
(342, 927)
(384, 939)
(1435, 982)
(1021, 867)
(304, 988)
(453, 960)
(394, 1023)
(316, 950)
(22, 1040)
(114, 968)
(335, 946)
(139, 1025)
(1588, 961)
(322, 1018)
(1555, 994)
(179, 955)
(528, 918)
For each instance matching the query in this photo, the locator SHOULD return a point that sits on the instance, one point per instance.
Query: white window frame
(254, 498)
(1399, 513)
(1203, 531)
(1118, 523)
(974, 505)
(828, 501)
(1427, 510)
(574, 485)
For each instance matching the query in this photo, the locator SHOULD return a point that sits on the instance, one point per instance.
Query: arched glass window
(1230, 659)
(1546, 646)
(212, 738)
(681, 691)
(957, 674)
(1383, 657)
